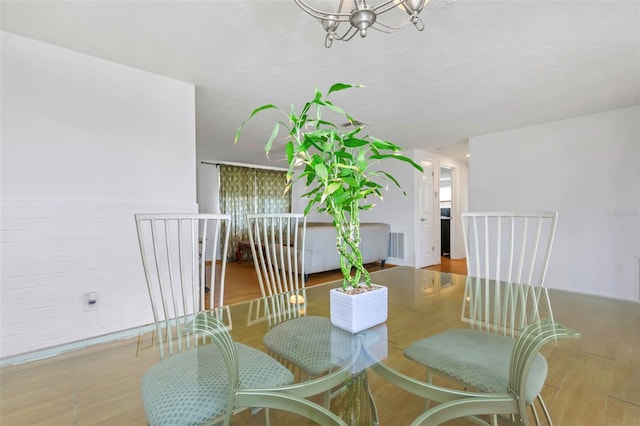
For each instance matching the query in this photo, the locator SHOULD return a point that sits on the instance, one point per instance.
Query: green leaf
(354, 132)
(339, 110)
(321, 171)
(274, 133)
(309, 207)
(254, 112)
(290, 151)
(318, 96)
(308, 143)
(304, 111)
(355, 143)
(310, 194)
(341, 198)
(393, 179)
(349, 167)
(343, 154)
(398, 157)
(319, 134)
(350, 181)
(333, 187)
(385, 145)
(310, 178)
(341, 86)
(330, 189)
(326, 123)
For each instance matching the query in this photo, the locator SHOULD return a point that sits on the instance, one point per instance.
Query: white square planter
(355, 313)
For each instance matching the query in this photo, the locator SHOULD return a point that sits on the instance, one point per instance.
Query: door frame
(418, 241)
(455, 208)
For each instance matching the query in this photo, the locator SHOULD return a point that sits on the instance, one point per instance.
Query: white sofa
(321, 253)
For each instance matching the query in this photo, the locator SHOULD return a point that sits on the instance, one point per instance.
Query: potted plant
(340, 169)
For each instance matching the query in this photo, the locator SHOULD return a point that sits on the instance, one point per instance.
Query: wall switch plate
(91, 301)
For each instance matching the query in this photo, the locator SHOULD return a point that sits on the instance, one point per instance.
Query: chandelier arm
(387, 6)
(348, 35)
(353, 33)
(384, 29)
(379, 26)
(389, 29)
(340, 17)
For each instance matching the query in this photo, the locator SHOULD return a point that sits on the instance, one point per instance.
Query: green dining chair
(187, 386)
(507, 258)
(309, 345)
(511, 396)
(207, 384)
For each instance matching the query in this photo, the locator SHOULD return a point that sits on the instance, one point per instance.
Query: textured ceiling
(478, 67)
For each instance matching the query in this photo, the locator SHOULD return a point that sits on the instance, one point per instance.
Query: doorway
(446, 206)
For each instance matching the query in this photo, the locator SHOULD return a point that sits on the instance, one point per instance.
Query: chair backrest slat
(179, 256)
(507, 260)
(509, 246)
(501, 307)
(277, 246)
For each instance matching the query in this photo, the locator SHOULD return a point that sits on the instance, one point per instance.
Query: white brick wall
(71, 162)
(53, 252)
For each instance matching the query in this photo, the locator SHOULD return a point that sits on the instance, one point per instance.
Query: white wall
(85, 144)
(208, 187)
(587, 168)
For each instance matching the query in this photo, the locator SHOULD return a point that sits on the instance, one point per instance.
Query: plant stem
(348, 245)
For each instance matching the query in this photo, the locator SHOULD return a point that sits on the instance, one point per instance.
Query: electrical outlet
(618, 268)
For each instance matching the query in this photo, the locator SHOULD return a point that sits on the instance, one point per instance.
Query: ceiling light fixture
(364, 15)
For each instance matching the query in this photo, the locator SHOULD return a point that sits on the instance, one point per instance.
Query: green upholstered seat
(191, 388)
(477, 359)
(312, 344)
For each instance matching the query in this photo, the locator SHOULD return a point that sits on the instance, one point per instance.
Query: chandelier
(363, 16)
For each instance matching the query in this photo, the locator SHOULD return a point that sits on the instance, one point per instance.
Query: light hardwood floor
(241, 282)
(592, 381)
(454, 266)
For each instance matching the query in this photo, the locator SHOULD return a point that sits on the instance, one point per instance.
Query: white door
(428, 234)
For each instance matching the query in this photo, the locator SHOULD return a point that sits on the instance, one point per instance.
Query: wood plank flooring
(454, 266)
(242, 283)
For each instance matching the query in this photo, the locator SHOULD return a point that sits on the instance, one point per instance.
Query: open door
(429, 247)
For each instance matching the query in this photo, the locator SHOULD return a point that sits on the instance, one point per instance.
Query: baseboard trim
(53, 351)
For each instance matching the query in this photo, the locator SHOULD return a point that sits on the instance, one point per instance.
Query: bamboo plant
(340, 169)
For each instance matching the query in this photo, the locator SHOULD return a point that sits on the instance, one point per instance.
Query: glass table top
(101, 385)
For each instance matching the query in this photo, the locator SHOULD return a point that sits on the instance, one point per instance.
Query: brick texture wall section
(53, 252)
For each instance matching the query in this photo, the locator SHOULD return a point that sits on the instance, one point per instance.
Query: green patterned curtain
(270, 196)
(245, 190)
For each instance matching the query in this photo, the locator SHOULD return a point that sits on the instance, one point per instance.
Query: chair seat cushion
(476, 359)
(312, 344)
(191, 388)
